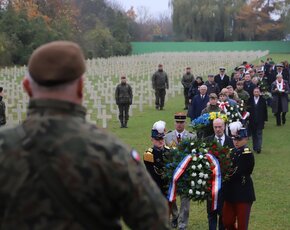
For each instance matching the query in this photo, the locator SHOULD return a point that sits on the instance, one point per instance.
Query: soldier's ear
(27, 86)
(80, 87)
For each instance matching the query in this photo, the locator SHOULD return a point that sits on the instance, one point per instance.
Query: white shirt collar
(223, 137)
(181, 134)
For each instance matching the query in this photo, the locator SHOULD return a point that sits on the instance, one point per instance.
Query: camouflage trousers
(186, 97)
(159, 98)
(123, 112)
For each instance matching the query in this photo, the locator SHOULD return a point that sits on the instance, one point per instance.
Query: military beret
(241, 67)
(56, 63)
(212, 95)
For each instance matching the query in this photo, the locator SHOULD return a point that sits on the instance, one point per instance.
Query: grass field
(271, 175)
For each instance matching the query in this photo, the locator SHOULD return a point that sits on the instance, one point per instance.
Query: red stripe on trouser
(239, 212)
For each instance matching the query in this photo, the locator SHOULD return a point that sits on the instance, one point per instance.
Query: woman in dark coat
(238, 190)
(280, 90)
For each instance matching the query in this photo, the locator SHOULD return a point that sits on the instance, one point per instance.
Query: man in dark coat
(222, 79)
(215, 217)
(198, 103)
(160, 84)
(258, 117)
(249, 86)
(280, 90)
(212, 86)
(186, 81)
(123, 96)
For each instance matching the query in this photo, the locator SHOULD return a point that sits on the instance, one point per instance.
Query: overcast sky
(155, 7)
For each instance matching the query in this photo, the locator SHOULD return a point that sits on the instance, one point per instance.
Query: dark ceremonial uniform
(239, 191)
(154, 162)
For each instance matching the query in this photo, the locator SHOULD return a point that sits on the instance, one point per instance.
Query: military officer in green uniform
(59, 172)
(160, 84)
(124, 97)
(186, 81)
(172, 138)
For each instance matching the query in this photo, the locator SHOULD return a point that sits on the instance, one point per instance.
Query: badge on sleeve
(135, 155)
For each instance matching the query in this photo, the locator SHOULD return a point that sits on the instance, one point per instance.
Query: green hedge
(149, 47)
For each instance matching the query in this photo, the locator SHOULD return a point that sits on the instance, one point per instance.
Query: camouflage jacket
(160, 80)
(186, 80)
(2, 113)
(96, 169)
(123, 94)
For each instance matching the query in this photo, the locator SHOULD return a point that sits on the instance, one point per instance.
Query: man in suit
(222, 79)
(215, 217)
(172, 138)
(198, 103)
(258, 116)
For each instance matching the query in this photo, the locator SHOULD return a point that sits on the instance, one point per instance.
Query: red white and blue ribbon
(216, 181)
(181, 167)
(245, 115)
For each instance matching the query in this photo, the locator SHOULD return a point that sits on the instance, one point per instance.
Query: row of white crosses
(104, 74)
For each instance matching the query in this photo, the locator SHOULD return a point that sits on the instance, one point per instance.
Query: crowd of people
(57, 171)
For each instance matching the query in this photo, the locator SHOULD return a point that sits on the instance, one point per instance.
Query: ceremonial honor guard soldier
(239, 193)
(172, 139)
(154, 157)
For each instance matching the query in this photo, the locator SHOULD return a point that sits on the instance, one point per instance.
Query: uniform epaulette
(246, 151)
(169, 131)
(167, 147)
(148, 156)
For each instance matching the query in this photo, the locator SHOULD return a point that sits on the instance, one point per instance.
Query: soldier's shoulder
(11, 136)
(148, 155)
(170, 132)
(246, 151)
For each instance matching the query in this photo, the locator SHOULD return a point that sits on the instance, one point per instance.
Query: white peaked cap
(159, 126)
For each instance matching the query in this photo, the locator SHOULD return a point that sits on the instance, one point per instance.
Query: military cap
(241, 133)
(180, 116)
(56, 63)
(212, 95)
(158, 130)
(222, 68)
(241, 67)
(280, 65)
(123, 77)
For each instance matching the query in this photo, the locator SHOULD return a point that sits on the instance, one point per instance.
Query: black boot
(283, 118)
(125, 124)
(122, 124)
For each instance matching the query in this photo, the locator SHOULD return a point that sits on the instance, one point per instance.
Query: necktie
(178, 138)
(220, 141)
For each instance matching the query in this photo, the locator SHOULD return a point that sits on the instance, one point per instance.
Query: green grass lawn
(271, 211)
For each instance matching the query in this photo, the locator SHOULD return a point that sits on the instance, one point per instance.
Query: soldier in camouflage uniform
(160, 84)
(186, 81)
(123, 96)
(59, 172)
(2, 112)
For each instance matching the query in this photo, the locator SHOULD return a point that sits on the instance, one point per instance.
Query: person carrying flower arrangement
(238, 190)
(215, 216)
(212, 105)
(172, 139)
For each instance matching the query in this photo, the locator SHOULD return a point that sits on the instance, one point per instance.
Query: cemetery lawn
(271, 211)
